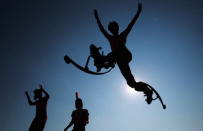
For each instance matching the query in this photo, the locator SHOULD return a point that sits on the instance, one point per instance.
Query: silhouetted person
(40, 102)
(120, 52)
(80, 116)
(100, 60)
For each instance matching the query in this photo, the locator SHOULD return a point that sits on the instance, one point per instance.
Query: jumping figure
(40, 102)
(80, 116)
(121, 54)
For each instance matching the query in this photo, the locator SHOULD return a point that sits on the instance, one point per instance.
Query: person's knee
(133, 84)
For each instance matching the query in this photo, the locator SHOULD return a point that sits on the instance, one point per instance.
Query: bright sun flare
(132, 92)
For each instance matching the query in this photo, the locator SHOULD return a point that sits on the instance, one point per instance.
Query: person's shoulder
(45, 98)
(74, 112)
(85, 110)
(110, 36)
(123, 35)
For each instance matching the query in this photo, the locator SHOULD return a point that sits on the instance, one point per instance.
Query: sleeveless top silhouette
(119, 50)
(80, 119)
(40, 119)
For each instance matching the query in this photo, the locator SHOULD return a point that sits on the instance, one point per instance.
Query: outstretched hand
(40, 87)
(26, 93)
(139, 6)
(95, 12)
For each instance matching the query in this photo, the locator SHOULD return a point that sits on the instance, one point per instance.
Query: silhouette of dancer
(80, 116)
(100, 60)
(121, 54)
(40, 102)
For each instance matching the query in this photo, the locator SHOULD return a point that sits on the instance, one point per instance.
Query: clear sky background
(167, 47)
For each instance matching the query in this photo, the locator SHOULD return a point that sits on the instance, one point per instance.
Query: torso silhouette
(80, 119)
(98, 59)
(41, 105)
(41, 115)
(119, 50)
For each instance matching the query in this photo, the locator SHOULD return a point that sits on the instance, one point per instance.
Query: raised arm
(100, 25)
(29, 100)
(42, 89)
(129, 27)
(69, 125)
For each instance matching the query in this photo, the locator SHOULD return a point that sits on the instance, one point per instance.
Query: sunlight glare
(131, 92)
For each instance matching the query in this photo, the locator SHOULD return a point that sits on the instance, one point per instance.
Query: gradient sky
(167, 47)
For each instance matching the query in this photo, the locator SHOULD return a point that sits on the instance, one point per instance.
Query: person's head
(78, 103)
(113, 27)
(93, 47)
(37, 94)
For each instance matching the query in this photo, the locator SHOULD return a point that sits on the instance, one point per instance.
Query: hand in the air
(140, 6)
(95, 12)
(26, 93)
(40, 87)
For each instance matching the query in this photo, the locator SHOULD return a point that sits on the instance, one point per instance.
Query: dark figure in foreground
(40, 102)
(100, 60)
(121, 54)
(80, 116)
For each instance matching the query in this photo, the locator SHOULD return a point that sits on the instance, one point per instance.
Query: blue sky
(166, 43)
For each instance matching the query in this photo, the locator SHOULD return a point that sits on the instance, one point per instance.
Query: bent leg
(126, 72)
(38, 124)
(33, 126)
